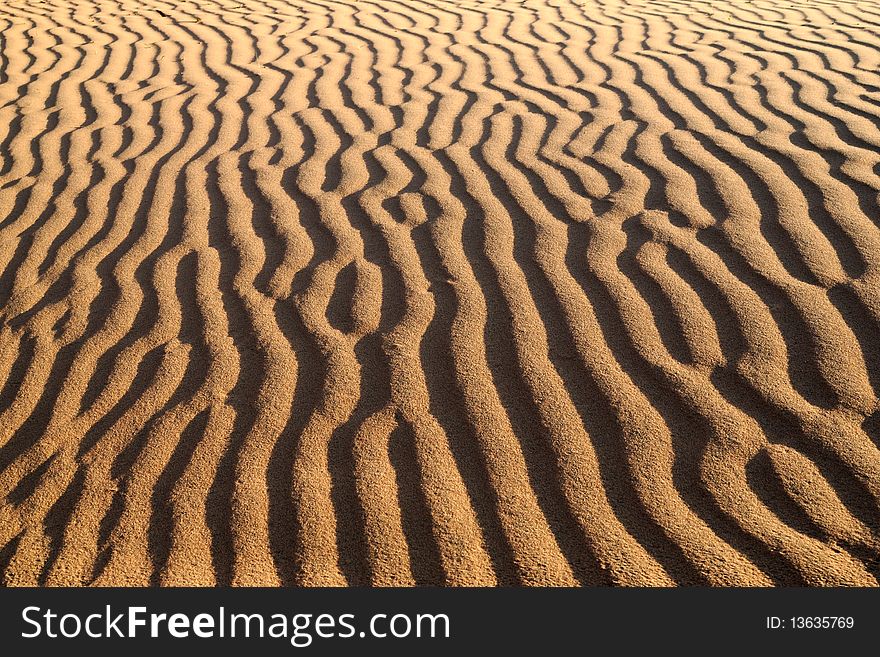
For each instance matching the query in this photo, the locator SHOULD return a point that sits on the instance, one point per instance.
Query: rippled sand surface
(540, 292)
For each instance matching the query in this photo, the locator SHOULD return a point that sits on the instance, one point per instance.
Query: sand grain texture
(541, 292)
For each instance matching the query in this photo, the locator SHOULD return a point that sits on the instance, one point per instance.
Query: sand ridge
(395, 292)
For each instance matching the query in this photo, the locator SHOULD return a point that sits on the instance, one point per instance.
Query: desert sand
(426, 292)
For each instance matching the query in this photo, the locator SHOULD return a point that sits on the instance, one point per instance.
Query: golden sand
(542, 292)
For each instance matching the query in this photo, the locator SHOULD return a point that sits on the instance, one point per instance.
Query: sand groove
(395, 292)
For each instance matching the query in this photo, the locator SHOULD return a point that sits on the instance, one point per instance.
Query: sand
(425, 292)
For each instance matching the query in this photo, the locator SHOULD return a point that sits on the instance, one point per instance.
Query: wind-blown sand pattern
(542, 292)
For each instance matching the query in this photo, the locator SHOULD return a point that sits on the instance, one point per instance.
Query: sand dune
(394, 292)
